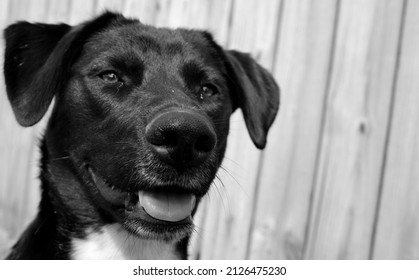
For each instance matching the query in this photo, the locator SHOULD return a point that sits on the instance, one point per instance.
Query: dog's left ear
(255, 92)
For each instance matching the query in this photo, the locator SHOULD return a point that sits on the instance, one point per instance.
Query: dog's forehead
(140, 38)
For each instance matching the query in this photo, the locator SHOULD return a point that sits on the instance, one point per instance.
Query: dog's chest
(113, 242)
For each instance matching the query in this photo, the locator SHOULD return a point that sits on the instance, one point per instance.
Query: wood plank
(5, 237)
(26, 10)
(19, 191)
(4, 11)
(183, 13)
(146, 11)
(285, 184)
(58, 11)
(213, 16)
(19, 155)
(398, 224)
(356, 120)
(80, 10)
(227, 225)
(109, 5)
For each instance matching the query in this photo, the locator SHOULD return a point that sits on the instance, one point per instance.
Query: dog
(136, 135)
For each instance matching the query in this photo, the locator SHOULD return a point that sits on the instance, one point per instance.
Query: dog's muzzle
(182, 144)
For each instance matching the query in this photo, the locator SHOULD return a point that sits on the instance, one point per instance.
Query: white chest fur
(113, 242)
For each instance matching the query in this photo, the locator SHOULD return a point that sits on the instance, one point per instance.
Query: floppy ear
(255, 92)
(38, 59)
(30, 75)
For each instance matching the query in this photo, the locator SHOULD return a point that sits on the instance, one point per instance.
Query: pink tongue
(171, 207)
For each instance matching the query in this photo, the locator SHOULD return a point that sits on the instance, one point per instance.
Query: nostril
(154, 136)
(204, 143)
(161, 137)
(169, 139)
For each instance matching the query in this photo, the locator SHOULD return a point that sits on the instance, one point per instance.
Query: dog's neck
(113, 242)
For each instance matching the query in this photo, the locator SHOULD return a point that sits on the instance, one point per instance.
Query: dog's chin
(165, 214)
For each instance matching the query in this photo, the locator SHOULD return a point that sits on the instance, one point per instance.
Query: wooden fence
(340, 176)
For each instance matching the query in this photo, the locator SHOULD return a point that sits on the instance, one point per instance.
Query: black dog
(137, 132)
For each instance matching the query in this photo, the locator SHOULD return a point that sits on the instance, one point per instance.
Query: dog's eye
(110, 77)
(207, 91)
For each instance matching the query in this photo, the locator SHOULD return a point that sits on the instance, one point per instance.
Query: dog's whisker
(235, 163)
(222, 197)
(60, 158)
(130, 178)
(226, 171)
(198, 231)
(237, 182)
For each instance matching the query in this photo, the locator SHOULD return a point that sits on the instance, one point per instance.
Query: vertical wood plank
(398, 224)
(28, 10)
(356, 120)
(19, 155)
(19, 192)
(227, 224)
(205, 14)
(4, 10)
(146, 10)
(183, 13)
(285, 184)
(80, 10)
(110, 5)
(5, 238)
(58, 11)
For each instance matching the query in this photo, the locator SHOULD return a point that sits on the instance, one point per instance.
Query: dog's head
(141, 114)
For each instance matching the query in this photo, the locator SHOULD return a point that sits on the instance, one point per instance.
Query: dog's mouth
(163, 214)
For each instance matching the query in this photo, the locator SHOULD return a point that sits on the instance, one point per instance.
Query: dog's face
(141, 115)
(155, 108)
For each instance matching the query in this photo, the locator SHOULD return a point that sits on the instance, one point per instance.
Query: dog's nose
(181, 138)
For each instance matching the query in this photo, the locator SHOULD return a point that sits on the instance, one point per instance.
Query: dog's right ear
(28, 57)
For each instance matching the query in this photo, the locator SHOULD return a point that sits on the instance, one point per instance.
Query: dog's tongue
(171, 207)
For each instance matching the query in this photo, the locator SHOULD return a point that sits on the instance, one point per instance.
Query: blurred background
(339, 178)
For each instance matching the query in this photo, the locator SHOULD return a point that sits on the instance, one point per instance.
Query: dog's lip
(108, 192)
(161, 207)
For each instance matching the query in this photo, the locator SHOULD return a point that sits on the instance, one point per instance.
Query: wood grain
(346, 189)
(285, 180)
(398, 224)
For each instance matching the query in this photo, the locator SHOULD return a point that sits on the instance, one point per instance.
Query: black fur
(101, 122)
